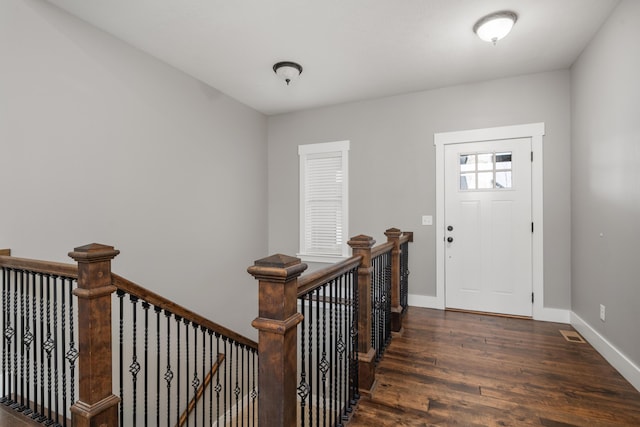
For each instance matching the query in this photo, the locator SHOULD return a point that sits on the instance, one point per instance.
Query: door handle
(449, 239)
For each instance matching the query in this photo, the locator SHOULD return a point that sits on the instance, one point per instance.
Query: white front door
(488, 228)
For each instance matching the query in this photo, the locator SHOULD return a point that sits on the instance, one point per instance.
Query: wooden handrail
(407, 236)
(178, 310)
(311, 281)
(381, 249)
(46, 267)
(200, 391)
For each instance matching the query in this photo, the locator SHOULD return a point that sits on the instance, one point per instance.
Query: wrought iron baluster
(224, 380)
(254, 394)
(42, 416)
(204, 357)
(354, 396)
(178, 319)
(48, 346)
(333, 350)
(236, 389)
(63, 347)
(341, 347)
(218, 386)
(55, 348)
(26, 342)
(195, 383)
(134, 367)
(310, 347)
(317, 354)
(120, 294)
(186, 389)
(303, 387)
(72, 354)
(324, 363)
(227, 384)
(145, 307)
(5, 325)
(168, 376)
(210, 332)
(34, 356)
(157, 310)
(16, 384)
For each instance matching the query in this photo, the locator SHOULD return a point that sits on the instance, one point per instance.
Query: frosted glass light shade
(496, 26)
(287, 71)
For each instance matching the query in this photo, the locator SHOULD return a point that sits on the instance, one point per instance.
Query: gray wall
(606, 180)
(392, 164)
(101, 143)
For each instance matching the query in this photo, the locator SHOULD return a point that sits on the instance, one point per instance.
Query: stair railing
(344, 315)
(173, 366)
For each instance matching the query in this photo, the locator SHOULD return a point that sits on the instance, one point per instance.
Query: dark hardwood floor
(461, 369)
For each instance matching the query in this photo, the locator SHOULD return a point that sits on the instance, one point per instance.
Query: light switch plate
(427, 220)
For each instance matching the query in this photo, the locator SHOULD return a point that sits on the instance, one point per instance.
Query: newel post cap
(278, 267)
(94, 252)
(361, 242)
(393, 233)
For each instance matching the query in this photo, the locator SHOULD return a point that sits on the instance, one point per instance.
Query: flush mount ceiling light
(495, 26)
(287, 70)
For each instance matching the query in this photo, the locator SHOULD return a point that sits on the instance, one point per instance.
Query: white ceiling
(350, 49)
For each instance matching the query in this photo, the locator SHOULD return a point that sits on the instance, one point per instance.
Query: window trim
(304, 151)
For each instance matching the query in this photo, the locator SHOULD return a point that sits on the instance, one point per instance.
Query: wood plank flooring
(461, 369)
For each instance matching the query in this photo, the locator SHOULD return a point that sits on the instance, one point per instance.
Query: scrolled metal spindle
(49, 345)
(134, 367)
(72, 353)
(42, 416)
(178, 319)
(186, 376)
(236, 390)
(55, 350)
(158, 312)
(63, 346)
(195, 382)
(14, 333)
(145, 307)
(303, 386)
(168, 376)
(5, 323)
(354, 376)
(218, 387)
(120, 294)
(34, 355)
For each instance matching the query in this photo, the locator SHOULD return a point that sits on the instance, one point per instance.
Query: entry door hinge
(532, 298)
(532, 156)
(532, 227)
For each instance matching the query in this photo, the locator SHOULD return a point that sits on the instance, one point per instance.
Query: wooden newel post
(96, 405)
(393, 235)
(361, 245)
(277, 338)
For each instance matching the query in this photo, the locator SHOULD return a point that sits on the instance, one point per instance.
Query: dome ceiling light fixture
(495, 26)
(287, 70)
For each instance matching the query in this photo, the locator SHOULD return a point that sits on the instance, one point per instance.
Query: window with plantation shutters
(324, 201)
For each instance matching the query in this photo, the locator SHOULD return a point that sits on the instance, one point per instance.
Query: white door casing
(488, 226)
(535, 131)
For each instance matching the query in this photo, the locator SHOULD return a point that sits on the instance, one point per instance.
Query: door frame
(535, 131)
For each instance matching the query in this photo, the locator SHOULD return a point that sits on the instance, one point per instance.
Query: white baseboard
(555, 315)
(425, 301)
(545, 314)
(618, 360)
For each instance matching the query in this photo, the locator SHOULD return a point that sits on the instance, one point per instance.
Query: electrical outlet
(602, 312)
(427, 220)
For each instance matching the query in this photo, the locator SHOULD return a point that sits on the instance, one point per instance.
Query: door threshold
(488, 313)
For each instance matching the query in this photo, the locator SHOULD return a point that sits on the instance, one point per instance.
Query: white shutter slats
(323, 189)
